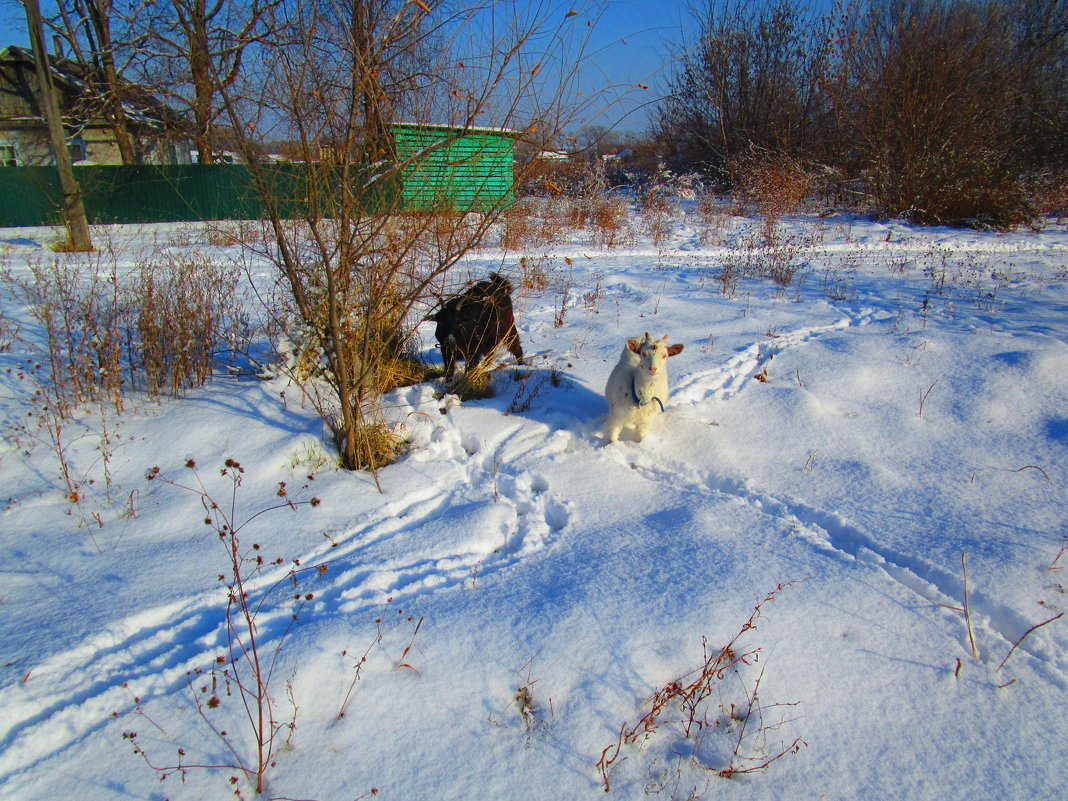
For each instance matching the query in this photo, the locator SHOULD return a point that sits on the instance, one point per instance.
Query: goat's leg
(448, 353)
(512, 343)
(485, 346)
(642, 426)
(616, 422)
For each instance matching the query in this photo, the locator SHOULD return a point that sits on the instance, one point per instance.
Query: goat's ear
(675, 350)
(633, 344)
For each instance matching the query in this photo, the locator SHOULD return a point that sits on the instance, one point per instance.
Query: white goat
(638, 386)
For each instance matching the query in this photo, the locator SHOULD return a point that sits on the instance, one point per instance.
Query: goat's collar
(638, 401)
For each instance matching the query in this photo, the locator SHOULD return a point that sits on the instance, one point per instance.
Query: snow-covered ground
(915, 408)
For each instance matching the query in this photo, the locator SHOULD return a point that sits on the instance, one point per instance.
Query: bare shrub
(609, 221)
(545, 272)
(553, 176)
(775, 182)
(1049, 193)
(243, 676)
(932, 93)
(530, 385)
(533, 222)
(713, 216)
(358, 266)
(78, 304)
(519, 226)
(9, 332)
(595, 206)
(534, 274)
(160, 329)
(657, 199)
(577, 213)
(184, 312)
(588, 190)
(554, 214)
(728, 277)
(770, 255)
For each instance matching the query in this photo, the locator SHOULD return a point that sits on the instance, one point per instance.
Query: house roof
(139, 106)
(456, 129)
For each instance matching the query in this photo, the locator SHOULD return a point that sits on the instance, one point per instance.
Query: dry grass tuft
(475, 385)
(236, 232)
(402, 371)
(377, 445)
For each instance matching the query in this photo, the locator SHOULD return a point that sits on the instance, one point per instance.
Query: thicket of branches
(357, 271)
(183, 52)
(942, 110)
(361, 271)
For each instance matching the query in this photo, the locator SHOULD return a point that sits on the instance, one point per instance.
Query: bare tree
(1040, 33)
(73, 207)
(753, 79)
(195, 49)
(931, 94)
(87, 28)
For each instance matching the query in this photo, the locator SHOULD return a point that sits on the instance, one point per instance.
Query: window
(7, 155)
(77, 149)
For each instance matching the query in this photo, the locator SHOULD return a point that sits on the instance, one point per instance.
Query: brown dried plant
(776, 183)
(682, 703)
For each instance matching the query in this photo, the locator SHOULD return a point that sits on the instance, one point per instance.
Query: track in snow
(494, 514)
(832, 535)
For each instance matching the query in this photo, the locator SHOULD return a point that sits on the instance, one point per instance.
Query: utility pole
(73, 207)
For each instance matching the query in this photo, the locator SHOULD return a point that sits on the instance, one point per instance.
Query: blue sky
(630, 47)
(13, 23)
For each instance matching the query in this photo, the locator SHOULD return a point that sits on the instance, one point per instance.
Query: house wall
(32, 149)
(461, 168)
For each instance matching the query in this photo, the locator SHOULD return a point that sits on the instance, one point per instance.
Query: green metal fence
(440, 167)
(175, 193)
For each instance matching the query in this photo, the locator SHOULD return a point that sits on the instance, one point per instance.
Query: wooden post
(73, 207)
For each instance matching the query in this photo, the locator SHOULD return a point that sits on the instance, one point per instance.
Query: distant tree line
(939, 110)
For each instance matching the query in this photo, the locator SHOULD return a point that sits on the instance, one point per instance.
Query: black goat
(474, 324)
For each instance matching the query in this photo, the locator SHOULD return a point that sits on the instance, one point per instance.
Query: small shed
(443, 166)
